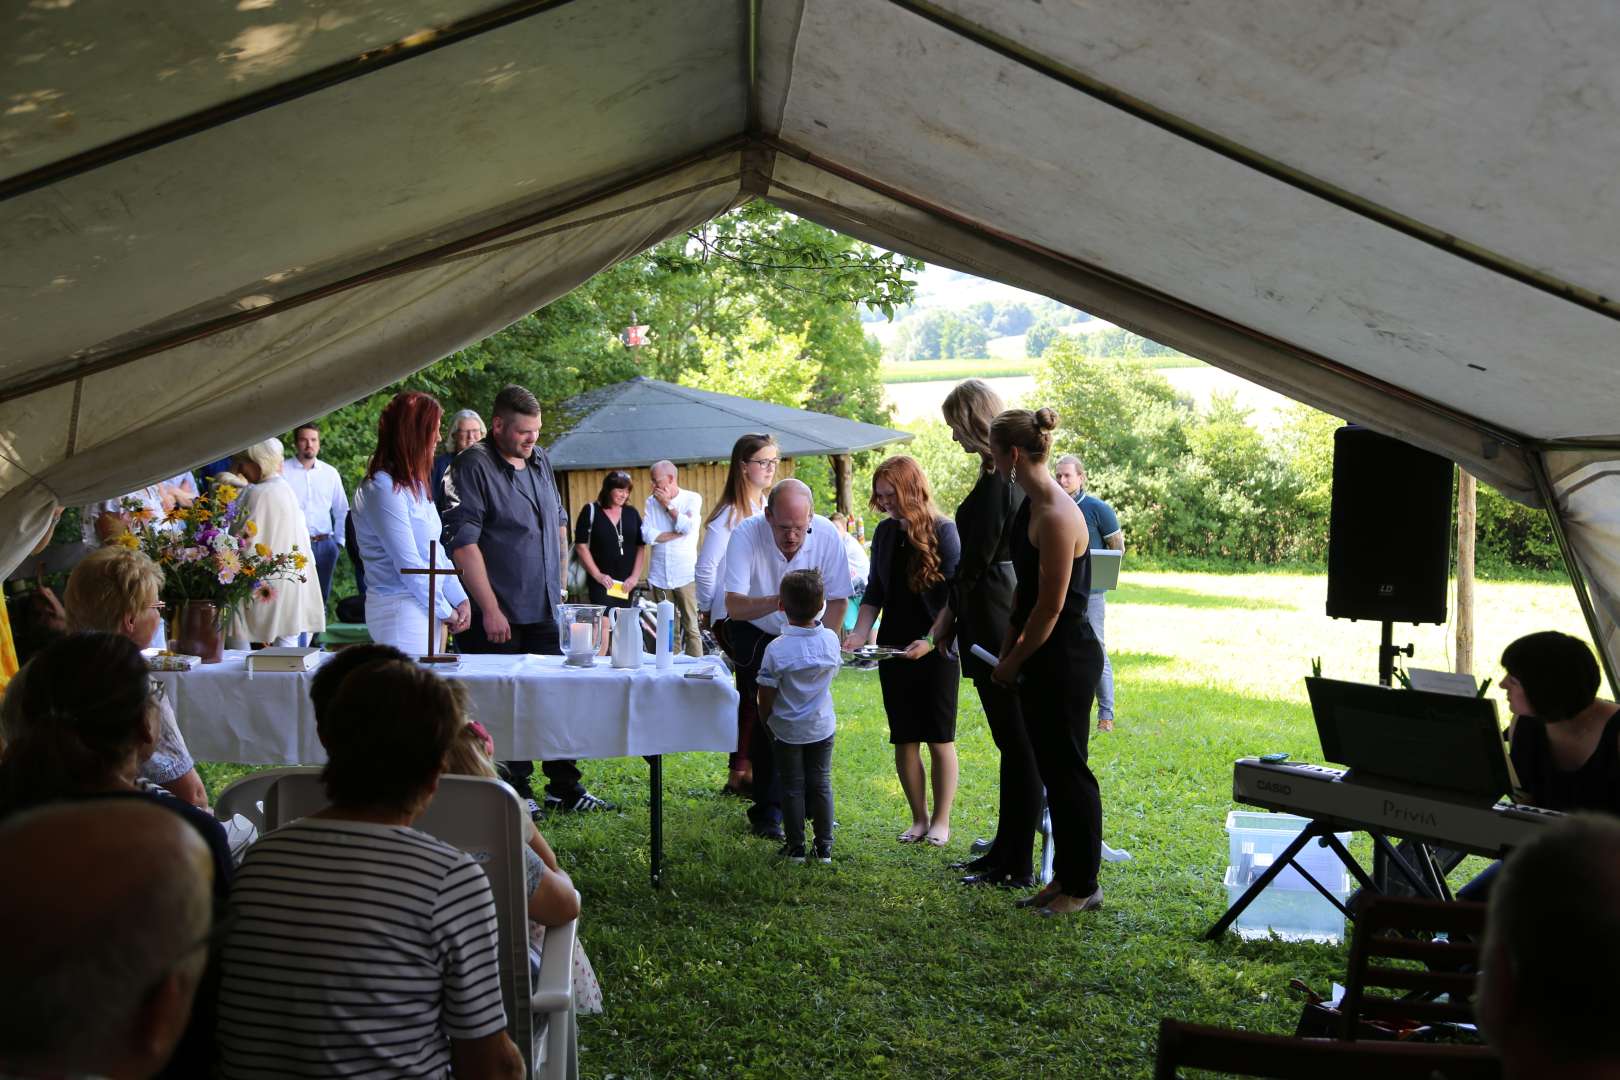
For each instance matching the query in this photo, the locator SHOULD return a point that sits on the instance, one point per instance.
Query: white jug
(627, 637)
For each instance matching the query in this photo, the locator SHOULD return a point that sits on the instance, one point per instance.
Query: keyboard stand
(1321, 831)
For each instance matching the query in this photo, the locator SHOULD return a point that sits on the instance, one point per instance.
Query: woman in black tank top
(1052, 656)
(1564, 741)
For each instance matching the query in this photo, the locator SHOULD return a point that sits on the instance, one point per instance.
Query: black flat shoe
(1000, 879)
(974, 866)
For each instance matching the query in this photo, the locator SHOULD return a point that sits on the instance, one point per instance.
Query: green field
(882, 966)
(909, 371)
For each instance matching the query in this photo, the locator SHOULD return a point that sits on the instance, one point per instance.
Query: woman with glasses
(754, 460)
(115, 590)
(607, 542)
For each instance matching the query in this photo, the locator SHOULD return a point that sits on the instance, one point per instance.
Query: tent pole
(1549, 499)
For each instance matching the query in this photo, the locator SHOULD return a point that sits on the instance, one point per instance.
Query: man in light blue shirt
(1103, 525)
(319, 490)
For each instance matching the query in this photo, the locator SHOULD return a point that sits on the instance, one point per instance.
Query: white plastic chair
(247, 796)
(484, 818)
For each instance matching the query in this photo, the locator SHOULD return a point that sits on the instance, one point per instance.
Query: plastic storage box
(1289, 906)
(1255, 838)
(1293, 914)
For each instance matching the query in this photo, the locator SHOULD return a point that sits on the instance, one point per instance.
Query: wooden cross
(434, 572)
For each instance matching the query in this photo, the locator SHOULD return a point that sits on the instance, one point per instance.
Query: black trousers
(1012, 852)
(746, 643)
(562, 777)
(1058, 686)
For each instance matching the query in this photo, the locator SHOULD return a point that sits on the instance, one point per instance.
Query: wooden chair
(1403, 928)
(484, 818)
(1243, 1053)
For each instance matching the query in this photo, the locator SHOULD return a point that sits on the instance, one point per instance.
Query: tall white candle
(579, 639)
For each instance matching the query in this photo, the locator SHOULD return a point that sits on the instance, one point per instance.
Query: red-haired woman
(394, 520)
(915, 550)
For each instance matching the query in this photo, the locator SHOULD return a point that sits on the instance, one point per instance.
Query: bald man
(104, 931)
(790, 535)
(672, 522)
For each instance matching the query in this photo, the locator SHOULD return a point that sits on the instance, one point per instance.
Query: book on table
(283, 658)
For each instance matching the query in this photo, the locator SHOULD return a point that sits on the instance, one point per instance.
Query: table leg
(655, 766)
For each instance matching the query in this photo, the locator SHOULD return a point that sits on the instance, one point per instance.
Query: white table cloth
(534, 707)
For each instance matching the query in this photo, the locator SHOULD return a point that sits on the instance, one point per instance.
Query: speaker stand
(1387, 652)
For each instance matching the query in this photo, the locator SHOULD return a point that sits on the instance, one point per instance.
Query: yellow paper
(617, 591)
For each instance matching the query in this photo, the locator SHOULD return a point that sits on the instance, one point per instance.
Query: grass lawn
(881, 965)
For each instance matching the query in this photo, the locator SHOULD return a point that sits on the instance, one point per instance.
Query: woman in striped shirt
(360, 946)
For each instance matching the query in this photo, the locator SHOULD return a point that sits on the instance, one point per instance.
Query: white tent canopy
(216, 221)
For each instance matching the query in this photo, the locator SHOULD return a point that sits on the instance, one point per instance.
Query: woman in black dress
(914, 555)
(981, 600)
(607, 541)
(1051, 655)
(1564, 740)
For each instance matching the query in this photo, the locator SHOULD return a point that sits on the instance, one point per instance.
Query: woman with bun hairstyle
(1051, 655)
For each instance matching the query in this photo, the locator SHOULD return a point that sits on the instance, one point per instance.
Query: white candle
(579, 639)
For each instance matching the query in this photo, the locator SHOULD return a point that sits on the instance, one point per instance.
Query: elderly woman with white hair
(295, 609)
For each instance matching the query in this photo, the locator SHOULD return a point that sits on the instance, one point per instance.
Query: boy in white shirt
(795, 702)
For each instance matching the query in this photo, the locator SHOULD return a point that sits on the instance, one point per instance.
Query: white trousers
(401, 622)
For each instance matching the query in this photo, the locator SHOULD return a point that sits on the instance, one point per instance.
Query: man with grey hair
(106, 943)
(466, 428)
(1103, 525)
(790, 535)
(670, 526)
(1552, 947)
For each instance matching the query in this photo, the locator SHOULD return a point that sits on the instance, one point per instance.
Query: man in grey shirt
(506, 532)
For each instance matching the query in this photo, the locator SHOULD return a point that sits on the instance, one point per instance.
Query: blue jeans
(1105, 685)
(325, 554)
(805, 773)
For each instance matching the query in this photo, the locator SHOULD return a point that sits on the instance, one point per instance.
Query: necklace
(618, 529)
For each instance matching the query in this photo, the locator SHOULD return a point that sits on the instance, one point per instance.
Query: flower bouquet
(211, 563)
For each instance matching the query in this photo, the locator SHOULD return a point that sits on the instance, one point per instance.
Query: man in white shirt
(670, 527)
(790, 535)
(319, 489)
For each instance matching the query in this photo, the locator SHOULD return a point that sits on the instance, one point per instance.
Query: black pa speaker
(1389, 536)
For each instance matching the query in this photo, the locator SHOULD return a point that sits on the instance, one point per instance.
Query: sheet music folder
(1415, 737)
(1105, 564)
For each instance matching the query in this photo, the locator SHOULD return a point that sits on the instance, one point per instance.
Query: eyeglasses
(768, 463)
(158, 605)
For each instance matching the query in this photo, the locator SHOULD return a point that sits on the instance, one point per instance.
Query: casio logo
(1274, 788)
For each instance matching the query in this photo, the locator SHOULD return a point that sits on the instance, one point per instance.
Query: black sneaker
(584, 802)
(793, 855)
(824, 855)
(535, 811)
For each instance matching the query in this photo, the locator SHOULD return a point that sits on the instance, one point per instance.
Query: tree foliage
(756, 279)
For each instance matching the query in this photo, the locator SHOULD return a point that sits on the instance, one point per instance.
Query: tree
(759, 362)
(805, 282)
(1040, 337)
(1013, 318)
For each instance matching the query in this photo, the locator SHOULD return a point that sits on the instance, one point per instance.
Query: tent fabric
(638, 422)
(1404, 216)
